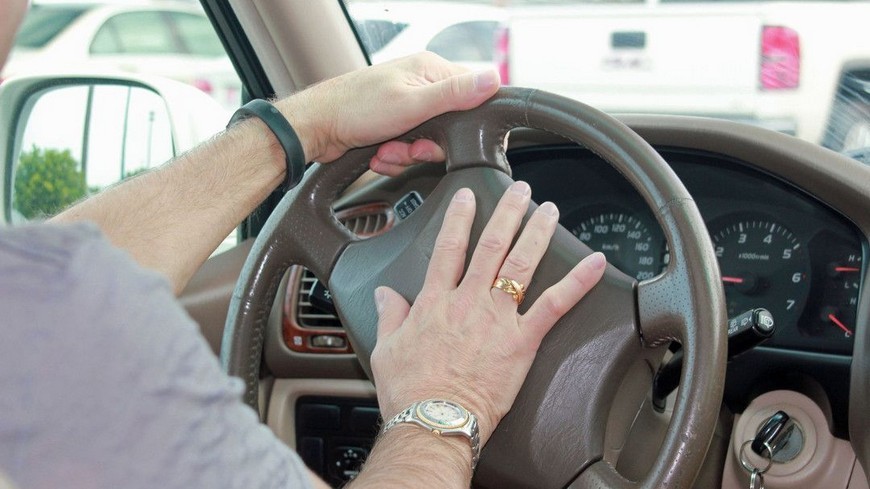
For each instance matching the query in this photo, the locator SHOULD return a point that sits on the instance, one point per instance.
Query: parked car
(166, 38)
(460, 32)
(769, 63)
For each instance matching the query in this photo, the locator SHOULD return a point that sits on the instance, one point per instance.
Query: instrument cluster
(777, 247)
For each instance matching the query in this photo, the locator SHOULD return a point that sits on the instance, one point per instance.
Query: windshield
(44, 22)
(800, 68)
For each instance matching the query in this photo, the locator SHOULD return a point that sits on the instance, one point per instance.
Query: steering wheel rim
(685, 303)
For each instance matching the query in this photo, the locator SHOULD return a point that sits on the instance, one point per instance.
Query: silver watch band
(402, 417)
(470, 430)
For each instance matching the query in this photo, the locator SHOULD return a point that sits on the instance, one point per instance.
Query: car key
(773, 434)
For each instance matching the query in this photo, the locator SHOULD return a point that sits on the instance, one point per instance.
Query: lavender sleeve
(106, 382)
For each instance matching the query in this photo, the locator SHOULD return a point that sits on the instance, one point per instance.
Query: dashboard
(787, 220)
(777, 247)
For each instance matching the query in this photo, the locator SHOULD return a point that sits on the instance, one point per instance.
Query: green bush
(46, 182)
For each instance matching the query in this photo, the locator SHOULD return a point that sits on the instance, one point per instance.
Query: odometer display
(763, 265)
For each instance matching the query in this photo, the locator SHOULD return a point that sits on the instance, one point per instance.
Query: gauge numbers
(763, 265)
(628, 243)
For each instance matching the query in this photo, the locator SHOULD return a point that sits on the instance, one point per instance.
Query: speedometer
(764, 265)
(627, 241)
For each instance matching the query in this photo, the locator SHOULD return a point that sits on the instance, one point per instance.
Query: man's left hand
(381, 102)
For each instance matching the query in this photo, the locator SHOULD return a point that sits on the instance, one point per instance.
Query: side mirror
(68, 137)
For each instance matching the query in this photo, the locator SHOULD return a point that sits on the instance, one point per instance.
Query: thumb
(460, 92)
(392, 310)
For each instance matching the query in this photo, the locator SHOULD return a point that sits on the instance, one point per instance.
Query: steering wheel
(554, 436)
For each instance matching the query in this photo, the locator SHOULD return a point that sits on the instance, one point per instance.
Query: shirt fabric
(106, 382)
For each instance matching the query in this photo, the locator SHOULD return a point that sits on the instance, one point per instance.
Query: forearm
(172, 218)
(409, 456)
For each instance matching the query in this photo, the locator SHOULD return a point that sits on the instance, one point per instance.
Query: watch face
(443, 414)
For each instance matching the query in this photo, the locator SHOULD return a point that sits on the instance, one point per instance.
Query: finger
(451, 245)
(426, 150)
(563, 295)
(394, 156)
(524, 257)
(497, 236)
(458, 92)
(392, 310)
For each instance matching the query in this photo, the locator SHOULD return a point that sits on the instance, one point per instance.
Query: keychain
(756, 475)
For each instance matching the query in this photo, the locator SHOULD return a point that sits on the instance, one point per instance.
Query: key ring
(756, 480)
(748, 465)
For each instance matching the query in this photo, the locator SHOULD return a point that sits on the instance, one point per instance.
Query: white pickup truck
(798, 67)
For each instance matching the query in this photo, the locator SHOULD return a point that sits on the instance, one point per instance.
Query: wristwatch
(442, 417)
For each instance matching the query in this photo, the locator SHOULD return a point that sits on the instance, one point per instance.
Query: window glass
(788, 66)
(79, 140)
(44, 22)
(142, 33)
(375, 34)
(469, 41)
(107, 41)
(197, 35)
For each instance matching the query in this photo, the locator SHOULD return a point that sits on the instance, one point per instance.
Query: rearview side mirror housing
(68, 136)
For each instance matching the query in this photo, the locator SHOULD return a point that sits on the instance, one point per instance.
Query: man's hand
(381, 102)
(464, 340)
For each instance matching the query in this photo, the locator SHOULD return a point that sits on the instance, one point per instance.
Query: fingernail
(549, 209)
(424, 156)
(597, 260)
(463, 195)
(485, 80)
(380, 295)
(521, 188)
(389, 158)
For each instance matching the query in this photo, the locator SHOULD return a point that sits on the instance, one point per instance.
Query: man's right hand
(463, 340)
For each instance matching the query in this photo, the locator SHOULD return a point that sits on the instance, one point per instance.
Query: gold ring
(512, 287)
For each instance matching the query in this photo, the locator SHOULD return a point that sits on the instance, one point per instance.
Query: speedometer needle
(846, 269)
(732, 280)
(839, 324)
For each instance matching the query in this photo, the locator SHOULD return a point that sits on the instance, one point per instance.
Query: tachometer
(763, 265)
(628, 242)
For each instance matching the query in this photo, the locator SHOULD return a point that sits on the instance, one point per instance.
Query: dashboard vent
(367, 221)
(364, 221)
(307, 315)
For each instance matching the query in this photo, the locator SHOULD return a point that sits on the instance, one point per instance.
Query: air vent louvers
(307, 315)
(365, 222)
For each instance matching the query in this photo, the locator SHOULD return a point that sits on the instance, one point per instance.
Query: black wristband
(283, 131)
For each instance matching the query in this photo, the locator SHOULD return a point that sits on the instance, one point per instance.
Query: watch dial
(443, 413)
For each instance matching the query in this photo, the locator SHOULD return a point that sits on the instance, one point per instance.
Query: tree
(46, 182)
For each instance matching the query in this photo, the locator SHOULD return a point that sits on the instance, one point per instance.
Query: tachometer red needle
(732, 280)
(846, 269)
(839, 324)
